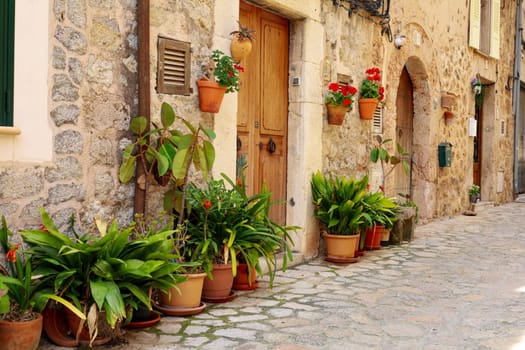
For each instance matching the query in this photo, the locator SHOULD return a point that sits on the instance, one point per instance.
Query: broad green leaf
(127, 169)
(139, 125)
(208, 132)
(179, 164)
(374, 155)
(209, 152)
(167, 115)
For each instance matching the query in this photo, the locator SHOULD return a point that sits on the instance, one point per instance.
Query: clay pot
(243, 281)
(104, 330)
(210, 95)
(336, 114)
(221, 285)
(341, 248)
(240, 49)
(367, 107)
(373, 237)
(23, 335)
(190, 292)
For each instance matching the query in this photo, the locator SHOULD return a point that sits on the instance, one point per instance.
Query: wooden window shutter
(7, 19)
(494, 28)
(377, 120)
(173, 69)
(475, 23)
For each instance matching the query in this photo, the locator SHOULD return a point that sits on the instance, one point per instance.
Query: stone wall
(92, 93)
(439, 61)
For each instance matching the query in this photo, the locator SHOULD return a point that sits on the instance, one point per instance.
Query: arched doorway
(404, 132)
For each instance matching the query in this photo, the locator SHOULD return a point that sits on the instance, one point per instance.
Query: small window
(173, 71)
(484, 31)
(7, 19)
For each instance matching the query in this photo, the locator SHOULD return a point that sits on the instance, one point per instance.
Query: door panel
(404, 131)
(263, 107)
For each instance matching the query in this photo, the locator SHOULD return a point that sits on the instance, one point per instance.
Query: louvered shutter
(7, 17)
(377, 120)
(475, 23)
(494, 28)
(173, 71)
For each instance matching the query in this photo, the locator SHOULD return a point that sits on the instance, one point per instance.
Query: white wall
(34, 141)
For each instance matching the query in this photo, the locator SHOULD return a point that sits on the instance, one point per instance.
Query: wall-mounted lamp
(399, 41)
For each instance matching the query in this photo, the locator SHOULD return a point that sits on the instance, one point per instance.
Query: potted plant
(474, 194)
(105, 275)
(339, 100)
(378, 213)
(241, 44)
(226, 74)
(338, 204)
(21, 299)
(370, 93)
(170, 154)
(225, 225)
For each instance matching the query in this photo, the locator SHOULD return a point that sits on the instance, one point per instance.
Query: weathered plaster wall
(92, 91)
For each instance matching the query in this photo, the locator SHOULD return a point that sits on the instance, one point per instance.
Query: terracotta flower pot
(367, 107)
(104, 329)
(341, 248)
(373, 237)
(240, 49)
(221, 285)
(336, 114)
(190, 292)
(243, 281)
(210, 95)
(21, 335)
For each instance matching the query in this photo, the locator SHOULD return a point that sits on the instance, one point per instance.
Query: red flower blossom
(206, 204)
(238, 67)
(11, 254)
(340, 94)
(230, 74)
(347, 102)
(368, 187)
(333, 87)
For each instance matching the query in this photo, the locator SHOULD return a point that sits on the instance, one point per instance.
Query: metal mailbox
(445, 154)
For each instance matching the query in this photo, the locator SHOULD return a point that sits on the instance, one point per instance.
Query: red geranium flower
(206, 204)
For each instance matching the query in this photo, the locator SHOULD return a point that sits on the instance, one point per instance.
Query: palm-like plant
(106, 272)
(338, 202)
(224, 224)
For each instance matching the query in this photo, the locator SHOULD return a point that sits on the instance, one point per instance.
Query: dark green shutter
(7, 29)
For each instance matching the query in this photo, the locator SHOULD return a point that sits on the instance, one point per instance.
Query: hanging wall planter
(241, 44)
(336, 114)
(367, 107)
(210, 95)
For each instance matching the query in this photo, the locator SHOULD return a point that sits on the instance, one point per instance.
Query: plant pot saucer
(225, 299)
(179, 311)
(155, 318)
(246, 286)
(338, 259)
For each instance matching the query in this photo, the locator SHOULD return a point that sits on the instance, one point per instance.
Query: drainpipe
(143, 82)
(516, 92)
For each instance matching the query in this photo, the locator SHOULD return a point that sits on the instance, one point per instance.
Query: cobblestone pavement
(459, 285)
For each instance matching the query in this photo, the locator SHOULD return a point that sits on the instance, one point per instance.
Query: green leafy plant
(224, 224)
(474, 190)
(371, 86)
(380, 153)
(169, 154)
(105, 271)
(226, 71)
(338, 202)
(244, 33)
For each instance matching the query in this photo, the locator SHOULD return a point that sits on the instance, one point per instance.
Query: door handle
(272, 147)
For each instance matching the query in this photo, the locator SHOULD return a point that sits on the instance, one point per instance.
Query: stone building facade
(64, 150)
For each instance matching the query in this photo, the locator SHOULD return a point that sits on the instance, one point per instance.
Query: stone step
(481, 206)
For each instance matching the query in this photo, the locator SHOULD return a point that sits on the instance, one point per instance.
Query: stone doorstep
(481, 206)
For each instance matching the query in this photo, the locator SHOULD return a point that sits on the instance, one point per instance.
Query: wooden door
(404, 132)
(262, 118)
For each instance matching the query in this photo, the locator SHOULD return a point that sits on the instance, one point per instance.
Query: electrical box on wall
(445, 154)
(472, 127)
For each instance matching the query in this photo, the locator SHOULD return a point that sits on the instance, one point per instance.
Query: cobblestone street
(459, 285)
